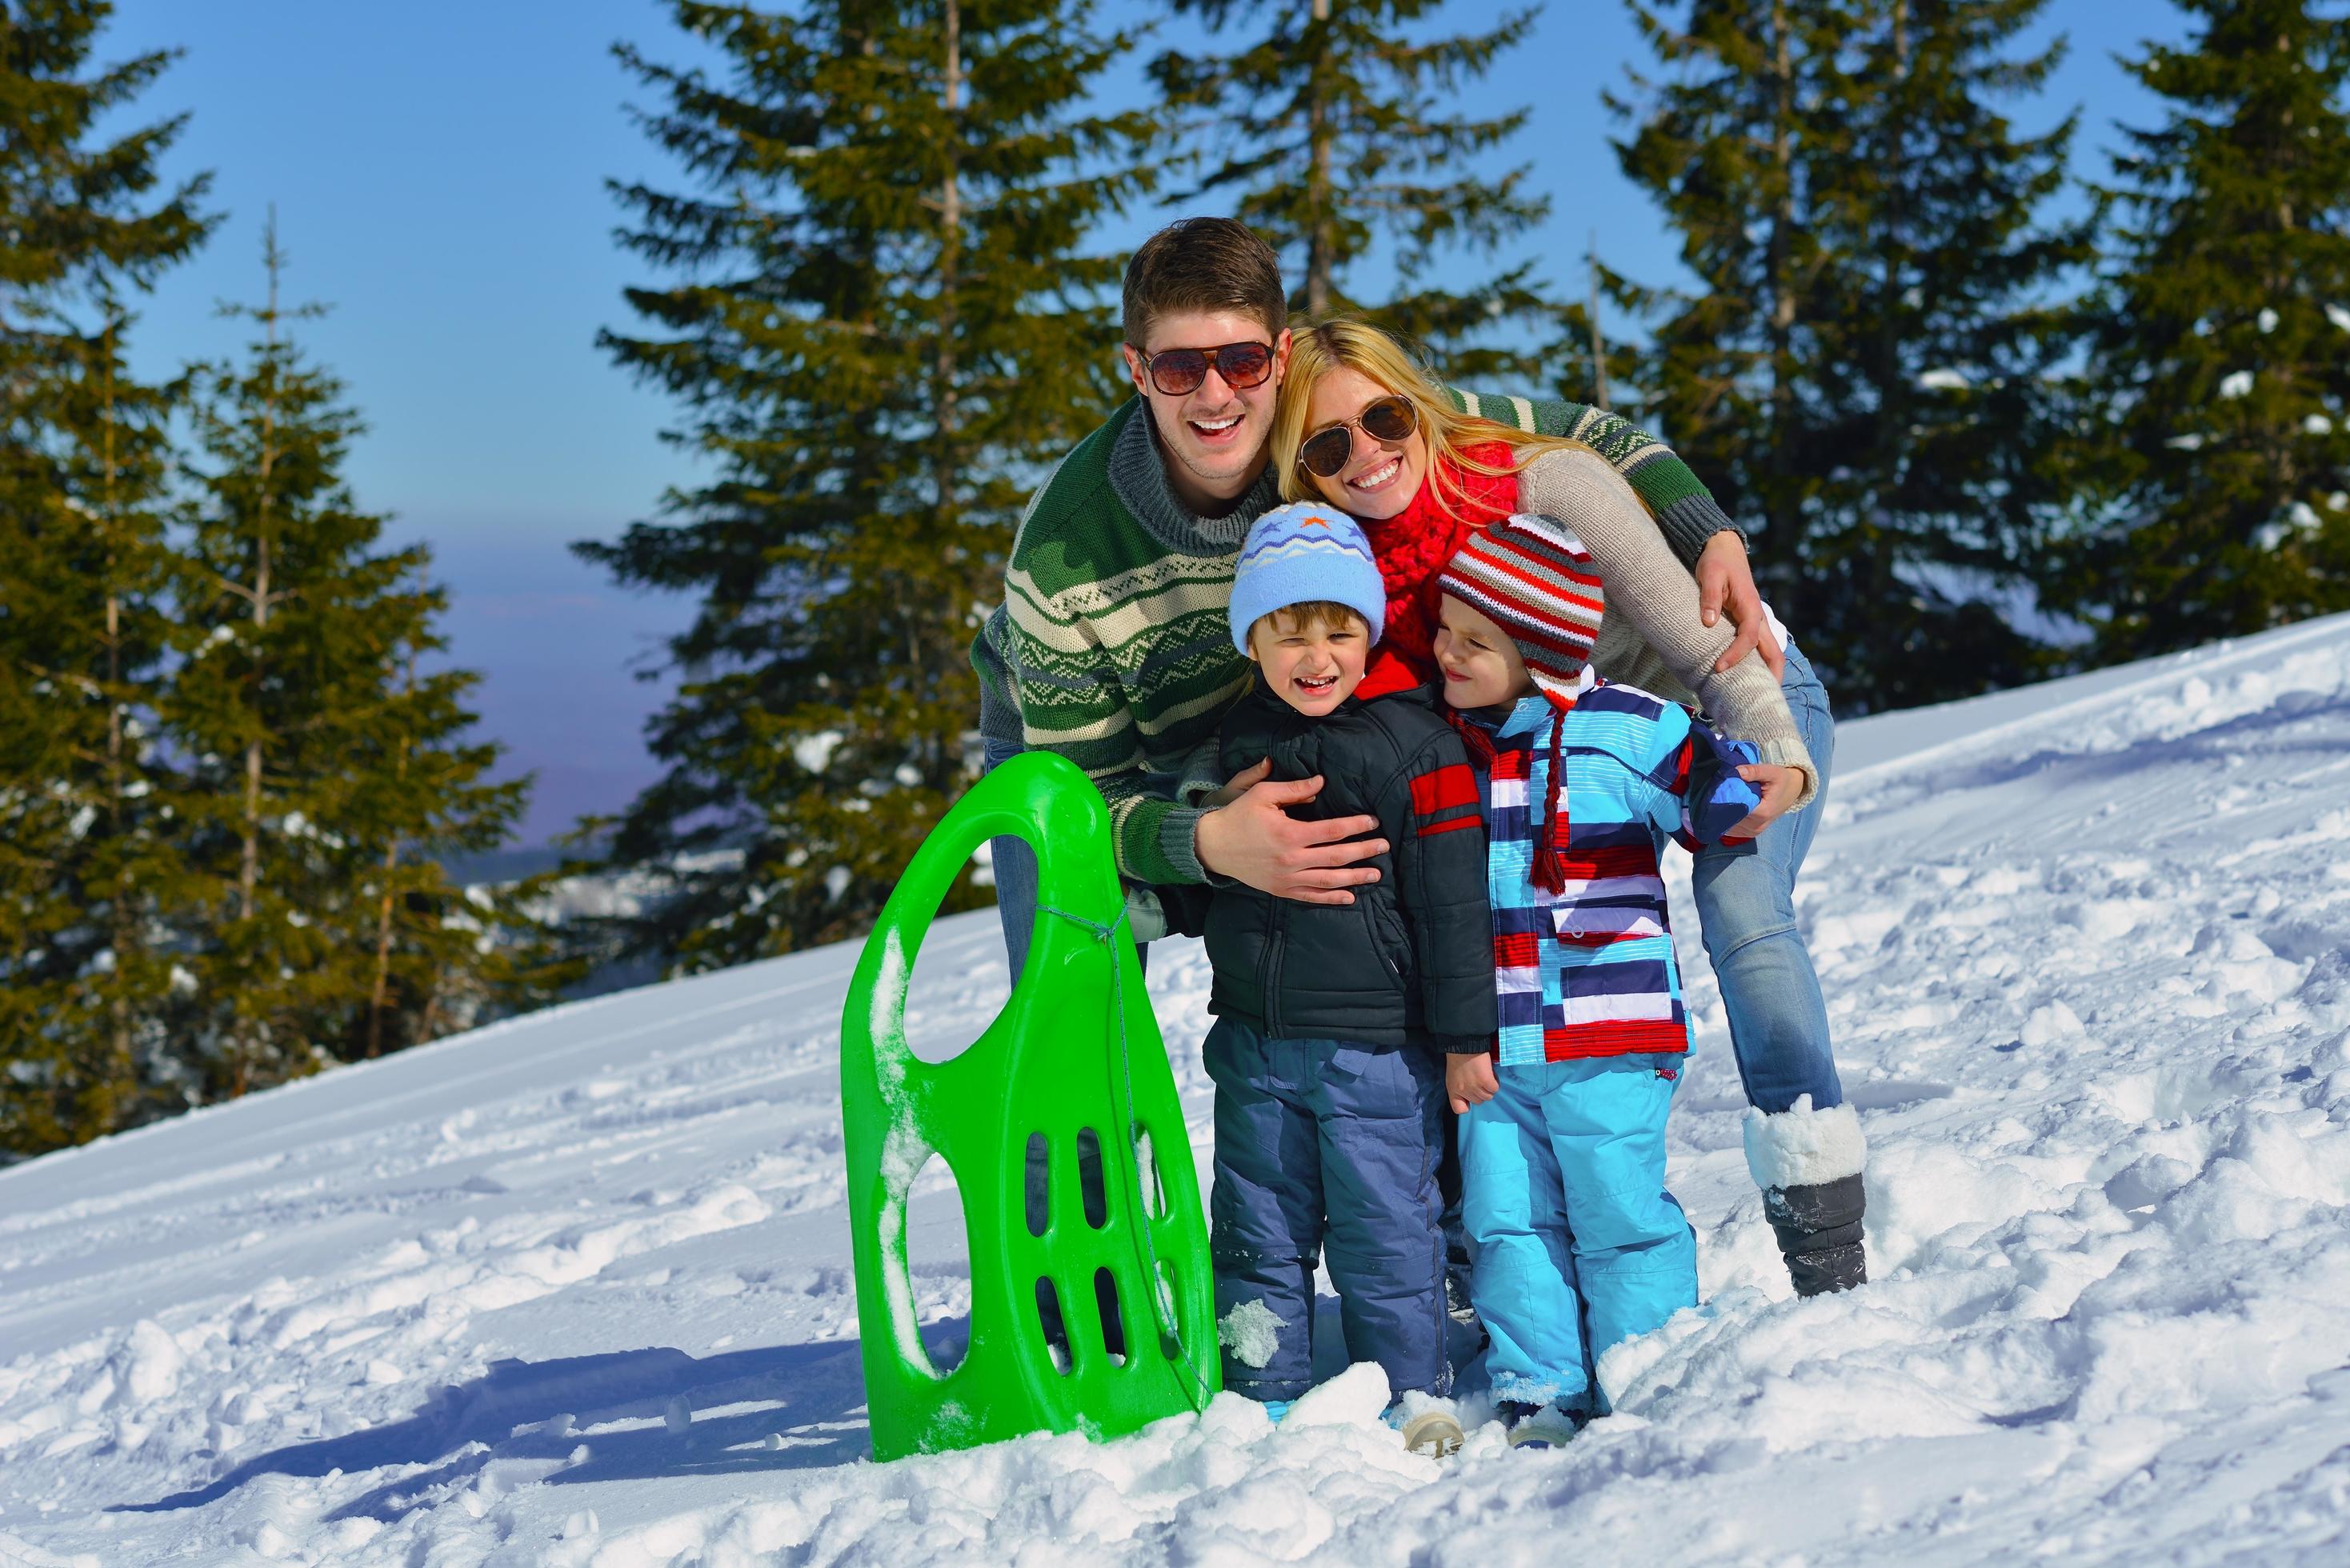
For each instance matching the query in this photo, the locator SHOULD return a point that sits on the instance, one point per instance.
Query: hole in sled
(1049, 1323)
(1035, 1178)
(1113, 1320)
(938, 1246)
(1154, 1191)
(960, 981)
(1090, 1179)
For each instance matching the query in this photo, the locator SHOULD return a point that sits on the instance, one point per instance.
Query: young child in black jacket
(1333, 1020)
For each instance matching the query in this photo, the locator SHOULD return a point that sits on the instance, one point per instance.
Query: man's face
(1215, 434)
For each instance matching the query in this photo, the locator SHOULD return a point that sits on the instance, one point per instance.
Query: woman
(1361, 426)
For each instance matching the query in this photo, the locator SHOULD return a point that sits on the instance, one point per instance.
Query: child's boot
(1808, 1164)
(1540, 1425)
(1432, 1430)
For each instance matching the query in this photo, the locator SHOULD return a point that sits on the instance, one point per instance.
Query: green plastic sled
(1054, 1066)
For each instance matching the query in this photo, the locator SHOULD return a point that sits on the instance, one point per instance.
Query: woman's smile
(1382, 473)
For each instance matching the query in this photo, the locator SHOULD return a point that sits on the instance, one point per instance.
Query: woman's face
(1379, 480)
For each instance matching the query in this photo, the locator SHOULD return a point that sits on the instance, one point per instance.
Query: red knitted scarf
(1413, 545)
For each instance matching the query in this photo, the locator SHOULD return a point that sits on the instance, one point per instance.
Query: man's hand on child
(1779, 788)
(1726, 582)
(1469, 1080)
(1255, 840)
(1241, 783)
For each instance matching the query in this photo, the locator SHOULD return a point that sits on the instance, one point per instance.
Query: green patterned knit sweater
(1112, 647)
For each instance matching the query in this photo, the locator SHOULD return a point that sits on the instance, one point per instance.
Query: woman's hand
(1779, 788)
(1469, 1080)
(1725, 582)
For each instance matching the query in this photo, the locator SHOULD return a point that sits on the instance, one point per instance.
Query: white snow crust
(576, 1289)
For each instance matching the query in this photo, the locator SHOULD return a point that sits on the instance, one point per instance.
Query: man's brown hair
(1203, 263)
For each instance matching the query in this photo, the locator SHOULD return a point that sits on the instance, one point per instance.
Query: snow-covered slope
(576, 1289)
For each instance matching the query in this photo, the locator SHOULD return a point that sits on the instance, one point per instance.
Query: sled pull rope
(1170, 1341)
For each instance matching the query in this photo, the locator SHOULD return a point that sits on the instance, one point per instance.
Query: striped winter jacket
(1590, 971)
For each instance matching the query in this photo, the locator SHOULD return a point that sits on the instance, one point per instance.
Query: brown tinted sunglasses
(1177, 372)
(1387, 420)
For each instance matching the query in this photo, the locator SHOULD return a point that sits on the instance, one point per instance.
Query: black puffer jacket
(1410, 961)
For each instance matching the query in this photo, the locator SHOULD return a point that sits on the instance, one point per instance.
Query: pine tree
(440, 956)
(85, 867)
(885, 323)
(1330, 129)
(325, 773)
(93, 872)
(2221, 348)
(1870, 369)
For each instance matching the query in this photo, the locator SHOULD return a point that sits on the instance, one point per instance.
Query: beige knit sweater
(1650, 635)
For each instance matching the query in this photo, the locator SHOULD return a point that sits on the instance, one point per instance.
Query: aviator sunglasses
(1179, 372)
(1386, 419)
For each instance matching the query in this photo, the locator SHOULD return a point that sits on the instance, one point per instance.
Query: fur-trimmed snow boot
(1808, 1164)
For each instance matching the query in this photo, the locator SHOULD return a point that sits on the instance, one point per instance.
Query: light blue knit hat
(1303, 552)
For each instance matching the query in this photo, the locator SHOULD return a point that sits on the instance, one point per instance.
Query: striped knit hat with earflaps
(1531, 577)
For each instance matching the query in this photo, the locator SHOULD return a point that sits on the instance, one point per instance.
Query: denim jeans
(1013, 860)
(1778, 1021)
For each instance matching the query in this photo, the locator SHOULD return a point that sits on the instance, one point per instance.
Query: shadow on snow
(811, 1396)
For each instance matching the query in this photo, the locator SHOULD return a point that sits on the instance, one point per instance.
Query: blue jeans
(1013, 860)
(1578, 1243)
(1328, 1150)
(1778, 1021)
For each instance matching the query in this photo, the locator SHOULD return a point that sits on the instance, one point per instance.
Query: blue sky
(438, 171)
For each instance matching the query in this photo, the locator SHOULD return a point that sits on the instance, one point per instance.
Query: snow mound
(576, 1289)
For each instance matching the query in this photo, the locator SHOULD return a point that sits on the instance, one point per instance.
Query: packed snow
(576, 1289)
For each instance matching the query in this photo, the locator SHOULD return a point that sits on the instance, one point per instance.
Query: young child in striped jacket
(1577, 1243)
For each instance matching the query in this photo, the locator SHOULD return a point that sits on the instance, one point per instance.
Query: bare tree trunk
(1783, 522)
(1892, 390)
(382, 989)
(249, 874)
(950, 257)
(1598, 344)
(381, 992)
(259, 596)
(950, 415)
(123, 924)
(1321, 233)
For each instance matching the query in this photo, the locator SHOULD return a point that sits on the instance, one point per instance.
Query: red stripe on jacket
(1665, 1037)
(1450, 786)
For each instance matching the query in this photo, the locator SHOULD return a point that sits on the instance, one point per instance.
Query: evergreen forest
(1987, 413)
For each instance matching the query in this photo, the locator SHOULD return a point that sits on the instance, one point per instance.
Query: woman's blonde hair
(1345, 341)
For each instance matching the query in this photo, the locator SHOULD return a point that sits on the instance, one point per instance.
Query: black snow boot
(1818, 1226)
(1808, 1164)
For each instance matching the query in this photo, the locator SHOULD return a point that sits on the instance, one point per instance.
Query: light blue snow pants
(1578, 1245)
